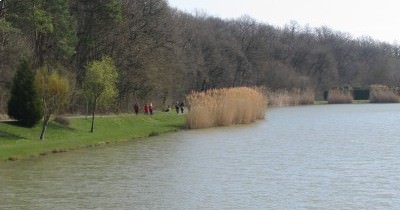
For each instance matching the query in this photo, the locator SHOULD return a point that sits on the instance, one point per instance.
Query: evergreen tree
(24, 104)
(49, 27)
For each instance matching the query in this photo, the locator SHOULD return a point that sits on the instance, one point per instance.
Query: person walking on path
(146, 108)
(182, 106)
(177, 107)
(136, 108)
(151, 108)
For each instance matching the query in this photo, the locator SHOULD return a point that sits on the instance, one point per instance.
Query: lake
(311, 157)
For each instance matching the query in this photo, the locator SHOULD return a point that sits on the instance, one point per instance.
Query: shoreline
(19, 143)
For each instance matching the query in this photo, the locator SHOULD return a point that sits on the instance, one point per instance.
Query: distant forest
(162, 53)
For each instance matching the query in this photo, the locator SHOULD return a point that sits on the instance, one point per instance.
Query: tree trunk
(93, 111)
(2, 9)
(92, 128)
(87, 108)
(45, 122)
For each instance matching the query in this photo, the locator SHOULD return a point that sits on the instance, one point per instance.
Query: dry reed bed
(383, 94)
(4, 117)
(340, 96)
(224, 107)
(294, 97)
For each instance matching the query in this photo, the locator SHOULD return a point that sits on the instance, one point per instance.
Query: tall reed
(292, 97)
(224, 107)
(4, 117)
(383, 94)
(340, 95)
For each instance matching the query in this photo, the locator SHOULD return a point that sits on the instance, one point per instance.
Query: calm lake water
(313, 157)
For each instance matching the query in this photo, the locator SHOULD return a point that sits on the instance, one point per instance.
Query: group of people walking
(179, 107)
(148, 108)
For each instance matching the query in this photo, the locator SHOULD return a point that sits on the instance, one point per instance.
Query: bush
(154, 133)
(62, 120)
(24, 104)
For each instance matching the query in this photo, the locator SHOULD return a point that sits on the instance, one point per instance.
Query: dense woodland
(162, 53)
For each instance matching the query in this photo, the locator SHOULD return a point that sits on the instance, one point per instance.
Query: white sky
(379, 19)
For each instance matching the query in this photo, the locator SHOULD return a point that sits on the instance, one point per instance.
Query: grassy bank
(18, 142)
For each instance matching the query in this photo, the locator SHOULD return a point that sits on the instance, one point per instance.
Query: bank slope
(19, 143)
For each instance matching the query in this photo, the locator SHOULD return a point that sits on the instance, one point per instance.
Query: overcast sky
(379, 19)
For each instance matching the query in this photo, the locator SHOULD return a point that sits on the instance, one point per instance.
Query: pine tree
(48, 25)
(24, 104)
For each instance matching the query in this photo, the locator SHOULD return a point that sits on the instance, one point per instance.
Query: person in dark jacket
(136, 108)
(177, 107)
(182, 107)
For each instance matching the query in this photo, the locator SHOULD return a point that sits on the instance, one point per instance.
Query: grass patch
(19, 142)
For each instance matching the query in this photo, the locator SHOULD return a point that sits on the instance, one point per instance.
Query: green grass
(19, 142)
(354, 102)
(321, 102)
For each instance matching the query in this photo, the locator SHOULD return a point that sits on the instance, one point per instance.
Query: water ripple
(315, 157)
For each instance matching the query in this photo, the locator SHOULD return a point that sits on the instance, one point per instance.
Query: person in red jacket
(146, 108)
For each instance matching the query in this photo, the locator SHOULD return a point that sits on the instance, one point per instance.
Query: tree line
(161, 53)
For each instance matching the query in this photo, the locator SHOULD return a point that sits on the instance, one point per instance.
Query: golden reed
(340, 96)
(294, 97)
(4, 117)
(383, 94)
(226, 106)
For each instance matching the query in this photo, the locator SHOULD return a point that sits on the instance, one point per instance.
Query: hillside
(162, 53)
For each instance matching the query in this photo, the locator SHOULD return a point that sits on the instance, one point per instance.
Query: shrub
(54, 92)
(383, 94)
(24, 104)
(154, 133)
(340, 96)
(62, 120)
(227, 106)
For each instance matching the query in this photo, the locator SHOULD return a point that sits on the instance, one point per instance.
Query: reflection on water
(314, 157)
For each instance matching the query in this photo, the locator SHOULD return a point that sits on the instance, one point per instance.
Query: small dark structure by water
(358, 94)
